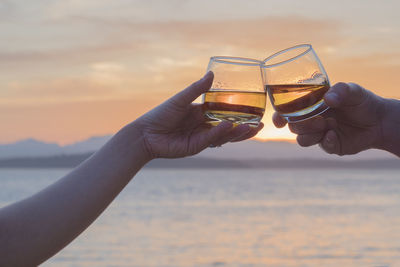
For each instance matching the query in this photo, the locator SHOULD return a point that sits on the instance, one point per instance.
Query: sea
(235, 217)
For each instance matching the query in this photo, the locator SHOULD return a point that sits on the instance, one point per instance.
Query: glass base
(307, 113)
(215, 118)
(215, 123)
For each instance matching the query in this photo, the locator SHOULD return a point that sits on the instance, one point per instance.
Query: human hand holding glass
(357, 120)
(178, 128)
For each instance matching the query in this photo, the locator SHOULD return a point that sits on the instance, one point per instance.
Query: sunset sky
(77, 68)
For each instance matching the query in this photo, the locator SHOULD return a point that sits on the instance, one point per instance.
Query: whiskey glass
(237, 93)
(296, 82)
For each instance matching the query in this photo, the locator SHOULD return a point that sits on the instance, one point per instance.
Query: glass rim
(237, 60)
(309, 48)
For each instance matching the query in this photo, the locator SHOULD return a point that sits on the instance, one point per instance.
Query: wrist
(390, 126)
(135, 142)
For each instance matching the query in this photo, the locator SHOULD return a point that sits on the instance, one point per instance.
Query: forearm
(36, 228)
(391, 127)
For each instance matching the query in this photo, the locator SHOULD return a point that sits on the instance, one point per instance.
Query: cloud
(7, 8)
(258, 33)
(54, 91)
(122, 35)
(101, 82)
(155, 55)
(107, 73)
(104, 8)
(377, 72)
(69, 55)
(159, 48)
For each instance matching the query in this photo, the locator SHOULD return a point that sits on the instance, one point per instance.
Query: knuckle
(340, 88)
(343, 87)
(357, 90)
(341, 84)
(354, 86)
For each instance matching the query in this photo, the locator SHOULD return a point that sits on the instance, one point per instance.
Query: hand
(177, 127)
(352, 124)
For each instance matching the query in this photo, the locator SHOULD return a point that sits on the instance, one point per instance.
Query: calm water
(236, 218)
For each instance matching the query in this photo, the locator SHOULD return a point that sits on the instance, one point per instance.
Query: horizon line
(61, 144)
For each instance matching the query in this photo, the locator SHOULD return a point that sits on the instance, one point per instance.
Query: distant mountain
(29, 148)
(88, 145)
(35, 148)
(250, 150)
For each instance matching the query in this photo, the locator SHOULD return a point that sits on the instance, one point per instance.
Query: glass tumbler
(237, 93)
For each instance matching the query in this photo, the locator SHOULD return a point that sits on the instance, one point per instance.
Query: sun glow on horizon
(271, 133)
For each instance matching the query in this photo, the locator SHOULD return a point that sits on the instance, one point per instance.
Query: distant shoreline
(71, 161)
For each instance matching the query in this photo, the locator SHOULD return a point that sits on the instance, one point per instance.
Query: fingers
(278, 120)
(237, 132)
(251, 133)
(192, 92)
(311, 132)
(345, 95)
(216, 133)
(330, 143)
(313, 125)
(306, 140)
(331, 123)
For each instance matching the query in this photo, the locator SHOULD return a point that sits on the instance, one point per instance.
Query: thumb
(343, 95)
(192, 92)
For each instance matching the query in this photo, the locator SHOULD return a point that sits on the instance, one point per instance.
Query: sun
(270, 132)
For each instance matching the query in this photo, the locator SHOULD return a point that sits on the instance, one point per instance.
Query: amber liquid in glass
(292, 98)
(238, 107)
